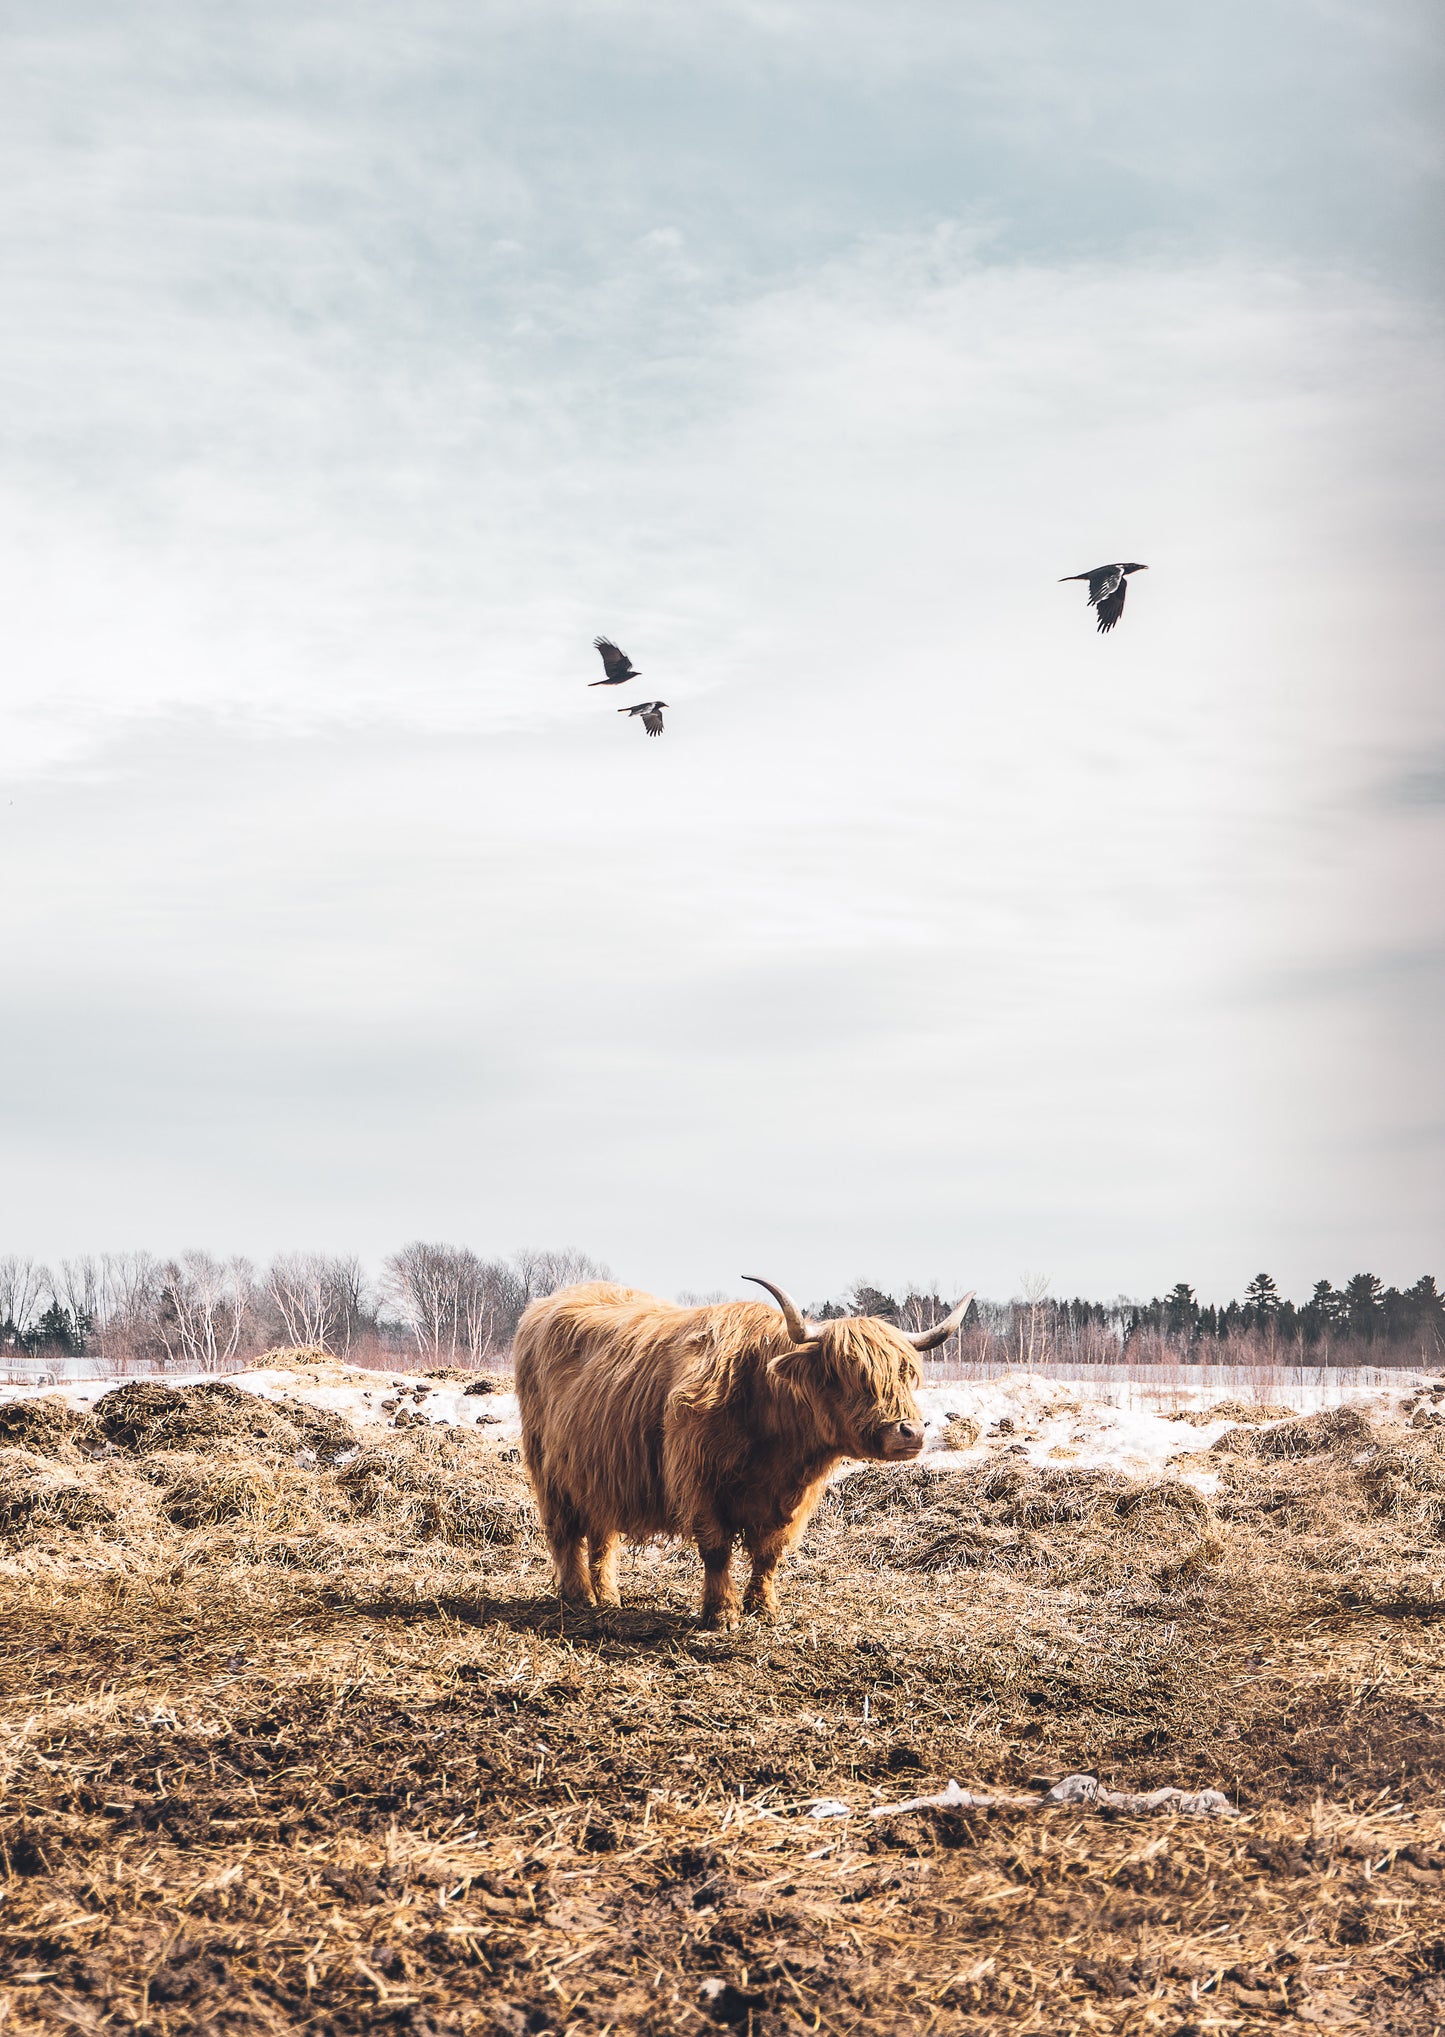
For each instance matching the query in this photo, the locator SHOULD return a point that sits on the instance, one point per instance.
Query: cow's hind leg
(605, 1550)
(563, 1528)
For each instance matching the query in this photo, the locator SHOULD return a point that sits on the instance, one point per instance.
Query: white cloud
(937, 933)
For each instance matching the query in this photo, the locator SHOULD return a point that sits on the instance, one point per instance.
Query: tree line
(448, 1304)
(444, 1302)
(1360, 1321)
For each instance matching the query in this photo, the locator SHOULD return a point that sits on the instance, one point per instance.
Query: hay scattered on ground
(289, 1743)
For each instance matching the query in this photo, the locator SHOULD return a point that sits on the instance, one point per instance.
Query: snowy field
(1123, 1423)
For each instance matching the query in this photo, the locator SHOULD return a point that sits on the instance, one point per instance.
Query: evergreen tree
(1422, 1313)
(55, 1331)
(1323, 1312)
(1262, 1296)
(1427, 1302)
(1180, 1310)
(1364, 1305)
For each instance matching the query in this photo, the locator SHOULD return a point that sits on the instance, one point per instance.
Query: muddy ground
(294, 1736)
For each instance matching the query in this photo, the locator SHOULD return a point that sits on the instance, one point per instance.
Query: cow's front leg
(720, 1607)
(563, 1527)
(766, 1552)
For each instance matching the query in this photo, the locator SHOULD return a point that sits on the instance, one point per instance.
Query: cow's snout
(903, 1439)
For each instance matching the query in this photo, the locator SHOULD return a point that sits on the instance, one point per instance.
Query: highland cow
(719, 1424)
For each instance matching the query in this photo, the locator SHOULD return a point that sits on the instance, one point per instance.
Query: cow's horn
(929, 1340)
(799, 1328)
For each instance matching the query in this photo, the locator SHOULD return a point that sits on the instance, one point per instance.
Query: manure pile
(293, 1735)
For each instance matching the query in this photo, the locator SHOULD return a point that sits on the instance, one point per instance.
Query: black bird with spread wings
(651, 712)
(618, 667)
(1107, 587)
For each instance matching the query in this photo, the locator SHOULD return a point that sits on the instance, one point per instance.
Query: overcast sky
(360, 364)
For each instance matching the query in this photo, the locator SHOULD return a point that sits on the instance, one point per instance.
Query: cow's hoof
(761, 1610)
(726, 1620)
(609, 1598)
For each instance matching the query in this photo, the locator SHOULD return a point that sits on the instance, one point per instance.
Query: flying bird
(651, 712)
(617, 665)
(1107, 587)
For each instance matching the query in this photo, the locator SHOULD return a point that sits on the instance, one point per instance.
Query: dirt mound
(47, 1425)
(878, 1491)
(1335, 1429)
(196, 1492)
(146, 1415)
(440, 1490)
(1405, 1482)
(1094, 1526)
(36, 1499)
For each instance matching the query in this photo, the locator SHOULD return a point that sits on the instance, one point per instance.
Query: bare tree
(1032, 1324)
(420, 1282)
(317, 1296)
(493, 1296)
(543, 1272)
(206, 1305)
(80, 1292)
(130, 1298)
(459, 1306)
(24, 1285)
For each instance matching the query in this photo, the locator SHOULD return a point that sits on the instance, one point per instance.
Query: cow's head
(859, 1375)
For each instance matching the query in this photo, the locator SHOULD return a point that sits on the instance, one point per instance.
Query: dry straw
(294, 1735)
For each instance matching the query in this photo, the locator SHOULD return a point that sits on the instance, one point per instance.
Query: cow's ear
(797, 1363)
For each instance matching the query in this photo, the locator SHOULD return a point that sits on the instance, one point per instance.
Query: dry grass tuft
(288, 1744)
(1248, 1411)
(960, 1432)
(296, 1358)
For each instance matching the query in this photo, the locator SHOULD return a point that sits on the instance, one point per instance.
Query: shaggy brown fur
(640, 1418)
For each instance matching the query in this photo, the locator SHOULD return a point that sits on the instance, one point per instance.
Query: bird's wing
(652, 722)
(1102, 582)
(616, 663)
(1111, 605)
